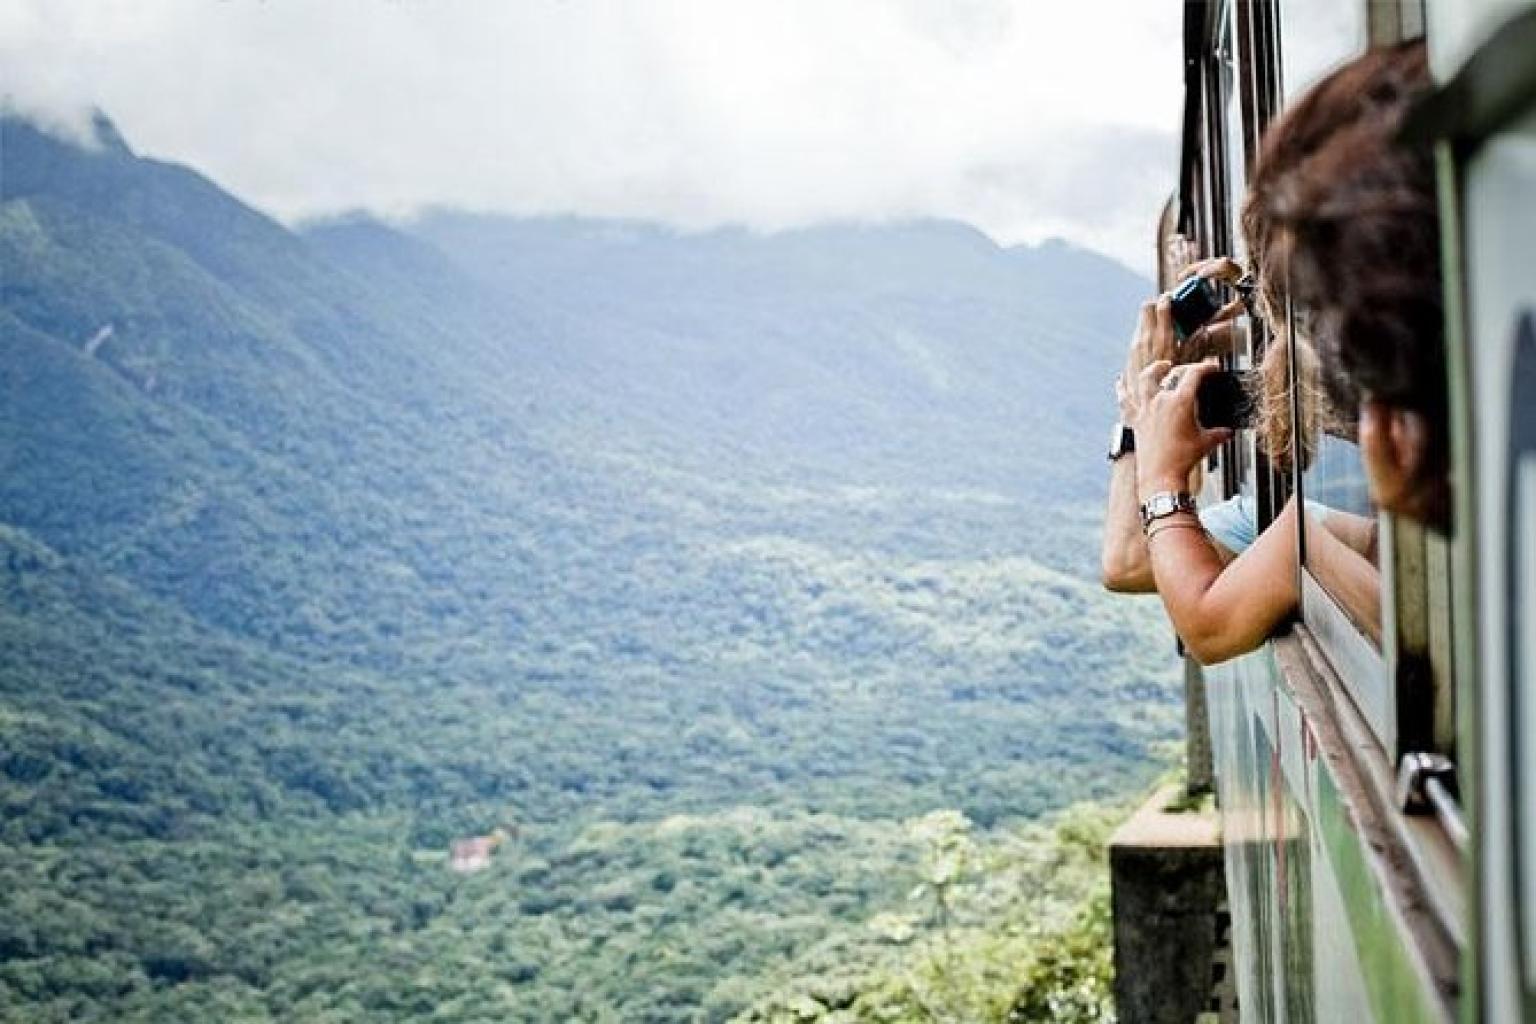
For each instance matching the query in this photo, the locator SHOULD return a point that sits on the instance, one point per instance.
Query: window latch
(1426, 784)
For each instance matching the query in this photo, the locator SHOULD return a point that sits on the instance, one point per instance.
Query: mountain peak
(92, 131)
(104, 134)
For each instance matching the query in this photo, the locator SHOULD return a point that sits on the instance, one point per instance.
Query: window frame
(1405, 688)
(1327, 657)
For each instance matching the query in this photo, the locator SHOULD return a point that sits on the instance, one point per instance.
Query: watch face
(1165, 504)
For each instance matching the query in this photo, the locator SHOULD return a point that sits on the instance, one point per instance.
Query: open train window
(1338, 593)
(1238, 95)
(1369, 583)
(1249, 40)
(1341, 550)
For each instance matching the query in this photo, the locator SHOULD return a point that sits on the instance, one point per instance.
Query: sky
(1030, 119)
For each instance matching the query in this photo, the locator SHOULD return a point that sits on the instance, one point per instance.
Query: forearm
(1123, 554)
(1223, 610)
(1186, 569)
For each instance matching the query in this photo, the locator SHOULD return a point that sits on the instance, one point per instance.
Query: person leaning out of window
(1357, 226)
(1347, 214)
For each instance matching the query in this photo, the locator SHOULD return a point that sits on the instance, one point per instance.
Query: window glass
(1315, 37)
(1340, 525)
(1336, 476)
(1232, 105)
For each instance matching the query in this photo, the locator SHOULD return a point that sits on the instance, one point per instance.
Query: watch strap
(1122, 441)
(1164, 504)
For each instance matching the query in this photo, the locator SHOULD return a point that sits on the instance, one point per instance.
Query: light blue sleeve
(1232, 523)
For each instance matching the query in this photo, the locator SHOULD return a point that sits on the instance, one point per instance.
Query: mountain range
(321, 546)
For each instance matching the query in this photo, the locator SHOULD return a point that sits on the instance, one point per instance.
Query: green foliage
(1070, 976)
(1021, 934)
(326, 555)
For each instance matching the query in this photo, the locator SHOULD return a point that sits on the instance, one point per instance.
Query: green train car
(1375, 763)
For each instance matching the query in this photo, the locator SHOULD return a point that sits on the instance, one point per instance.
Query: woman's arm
(1341, 557)
(1125, 566)
(1123, 550)
(1219, 611)
(1123, 553)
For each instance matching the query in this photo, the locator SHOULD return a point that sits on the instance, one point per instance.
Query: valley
(713, 565)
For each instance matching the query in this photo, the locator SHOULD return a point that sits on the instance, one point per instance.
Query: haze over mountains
(321, 548)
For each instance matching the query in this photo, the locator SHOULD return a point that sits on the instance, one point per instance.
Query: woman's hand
(1154, 340)
(1155, 337)
(1169, 441)
(1216, 338)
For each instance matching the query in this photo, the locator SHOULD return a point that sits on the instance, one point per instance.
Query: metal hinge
(1426, 784)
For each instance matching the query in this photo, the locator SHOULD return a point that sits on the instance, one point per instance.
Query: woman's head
(1341, 217)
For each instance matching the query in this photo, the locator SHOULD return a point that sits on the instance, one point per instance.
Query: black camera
(1221, 400)
(1195, 301)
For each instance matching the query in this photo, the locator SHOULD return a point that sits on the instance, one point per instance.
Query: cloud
(1025, 118)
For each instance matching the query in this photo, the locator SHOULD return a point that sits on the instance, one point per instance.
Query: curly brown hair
(1341, 216)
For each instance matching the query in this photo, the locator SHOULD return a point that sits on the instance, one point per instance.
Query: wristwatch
(1122, 441)
(1164, 504)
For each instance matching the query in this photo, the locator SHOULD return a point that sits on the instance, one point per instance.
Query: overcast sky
(1027, 118)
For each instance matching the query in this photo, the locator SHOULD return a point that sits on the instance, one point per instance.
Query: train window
(1368, 589)
(1369, 584)
(1232, 111)
(1341, 548)
(1216, 238)
(1239, 457)
(1341, 552)
(1249, 40)
(1342, 529)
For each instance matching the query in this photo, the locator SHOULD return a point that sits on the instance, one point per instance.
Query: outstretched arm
(1219, 610)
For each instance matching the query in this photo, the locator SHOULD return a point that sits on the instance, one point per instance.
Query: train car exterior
(1375, 762)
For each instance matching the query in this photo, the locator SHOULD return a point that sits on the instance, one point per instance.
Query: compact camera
(1223, 401)
(1197, 299)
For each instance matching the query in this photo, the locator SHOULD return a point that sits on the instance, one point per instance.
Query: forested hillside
(705, 566)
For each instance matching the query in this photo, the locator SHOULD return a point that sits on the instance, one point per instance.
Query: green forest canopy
(711, 567)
